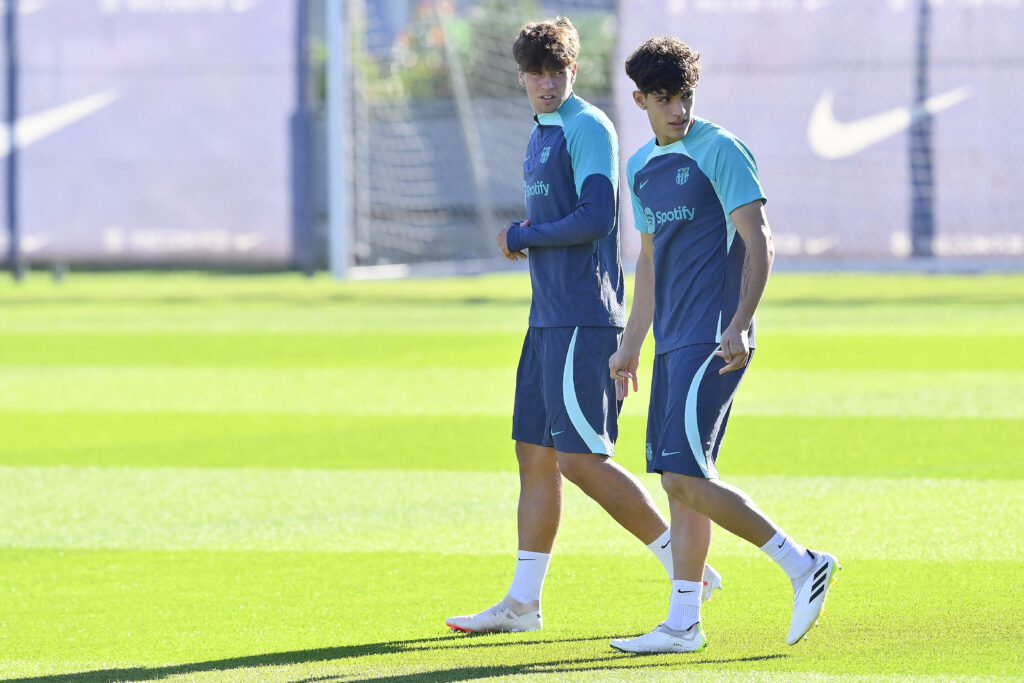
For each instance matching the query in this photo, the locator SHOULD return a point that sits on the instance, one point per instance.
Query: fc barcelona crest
(682, 175)
(544, 154)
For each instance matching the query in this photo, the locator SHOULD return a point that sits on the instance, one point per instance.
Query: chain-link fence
(440, 120)
(872, 122)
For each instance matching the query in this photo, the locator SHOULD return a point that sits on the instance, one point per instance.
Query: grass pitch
(219, 478)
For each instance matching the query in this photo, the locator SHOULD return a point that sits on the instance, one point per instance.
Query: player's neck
(666, 141)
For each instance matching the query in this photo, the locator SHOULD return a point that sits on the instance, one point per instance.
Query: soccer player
(565, 417)
(706, 251)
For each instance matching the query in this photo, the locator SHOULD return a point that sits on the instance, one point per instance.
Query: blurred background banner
(199, 132)
(871, 121)
(160, 132)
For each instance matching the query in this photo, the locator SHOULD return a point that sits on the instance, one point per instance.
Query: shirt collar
(571, 105)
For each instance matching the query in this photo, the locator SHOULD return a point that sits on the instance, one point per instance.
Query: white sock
(789, 555)
(662, 549)
(531, 568)
(684, 605)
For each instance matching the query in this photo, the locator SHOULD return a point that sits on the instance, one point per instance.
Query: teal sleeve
(639, 220)
(593, 149)
(736, 176)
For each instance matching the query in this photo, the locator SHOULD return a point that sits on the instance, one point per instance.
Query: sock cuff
(788, 554)
(661, 541)
(687, 592)
(528, 555)
(684, 605)
(777, 546)
(528, 580)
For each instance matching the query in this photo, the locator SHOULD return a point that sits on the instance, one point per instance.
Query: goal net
(440, 122)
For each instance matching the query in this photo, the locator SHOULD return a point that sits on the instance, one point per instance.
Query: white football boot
(664, 639)
(508, 616)
(712, 582)
(810, 593)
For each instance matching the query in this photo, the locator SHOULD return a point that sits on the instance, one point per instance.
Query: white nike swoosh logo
(833, 139)
(642, 184)
(37, 126)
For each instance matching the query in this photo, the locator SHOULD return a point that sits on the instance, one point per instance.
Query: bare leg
(540, 497)
(691, 539)
(726, 505)
(617, 491)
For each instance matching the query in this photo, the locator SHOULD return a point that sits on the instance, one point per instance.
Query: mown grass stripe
(468, 348)
(807, 446)
(469, 512)
(454, 390)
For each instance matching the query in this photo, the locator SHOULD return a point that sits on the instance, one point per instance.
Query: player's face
(548, 88)
(671, 115)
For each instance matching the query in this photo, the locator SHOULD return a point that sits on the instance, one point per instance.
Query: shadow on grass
(622, 662)
(354, 651)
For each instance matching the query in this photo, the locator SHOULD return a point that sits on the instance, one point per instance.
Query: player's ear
(522, 78)
(640, 100)
(572, 73)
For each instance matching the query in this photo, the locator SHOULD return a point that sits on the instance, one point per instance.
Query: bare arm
(624, 362)
(752, 227)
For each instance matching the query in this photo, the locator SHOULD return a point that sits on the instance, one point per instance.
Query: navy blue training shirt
(570, 178)
(683, 194)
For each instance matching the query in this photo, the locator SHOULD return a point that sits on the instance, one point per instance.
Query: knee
(535, 459)
(683, 488)
(575, 467)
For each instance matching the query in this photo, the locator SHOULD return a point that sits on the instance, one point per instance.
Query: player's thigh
(579, 394)
(536, 458)
(690, 405)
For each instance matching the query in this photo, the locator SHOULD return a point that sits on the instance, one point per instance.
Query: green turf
(227, 478)
(306, 510)
(791, 445)
(311, 614)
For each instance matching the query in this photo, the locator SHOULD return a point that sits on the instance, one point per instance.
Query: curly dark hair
(664, 64)
(552, 43)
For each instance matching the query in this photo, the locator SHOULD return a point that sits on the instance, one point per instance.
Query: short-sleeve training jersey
(683, 194)
(570, 179)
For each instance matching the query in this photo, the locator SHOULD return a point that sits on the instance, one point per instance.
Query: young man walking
(565, 419)
(706, 253)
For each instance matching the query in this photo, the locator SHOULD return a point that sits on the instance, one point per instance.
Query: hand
(735, 350)
(622, 367)
(502, 238)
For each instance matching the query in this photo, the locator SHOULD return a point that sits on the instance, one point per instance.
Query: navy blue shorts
(690, 404)
(564, 396)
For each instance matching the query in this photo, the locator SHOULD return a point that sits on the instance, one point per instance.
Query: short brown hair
(551, 43)
(664, 65)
